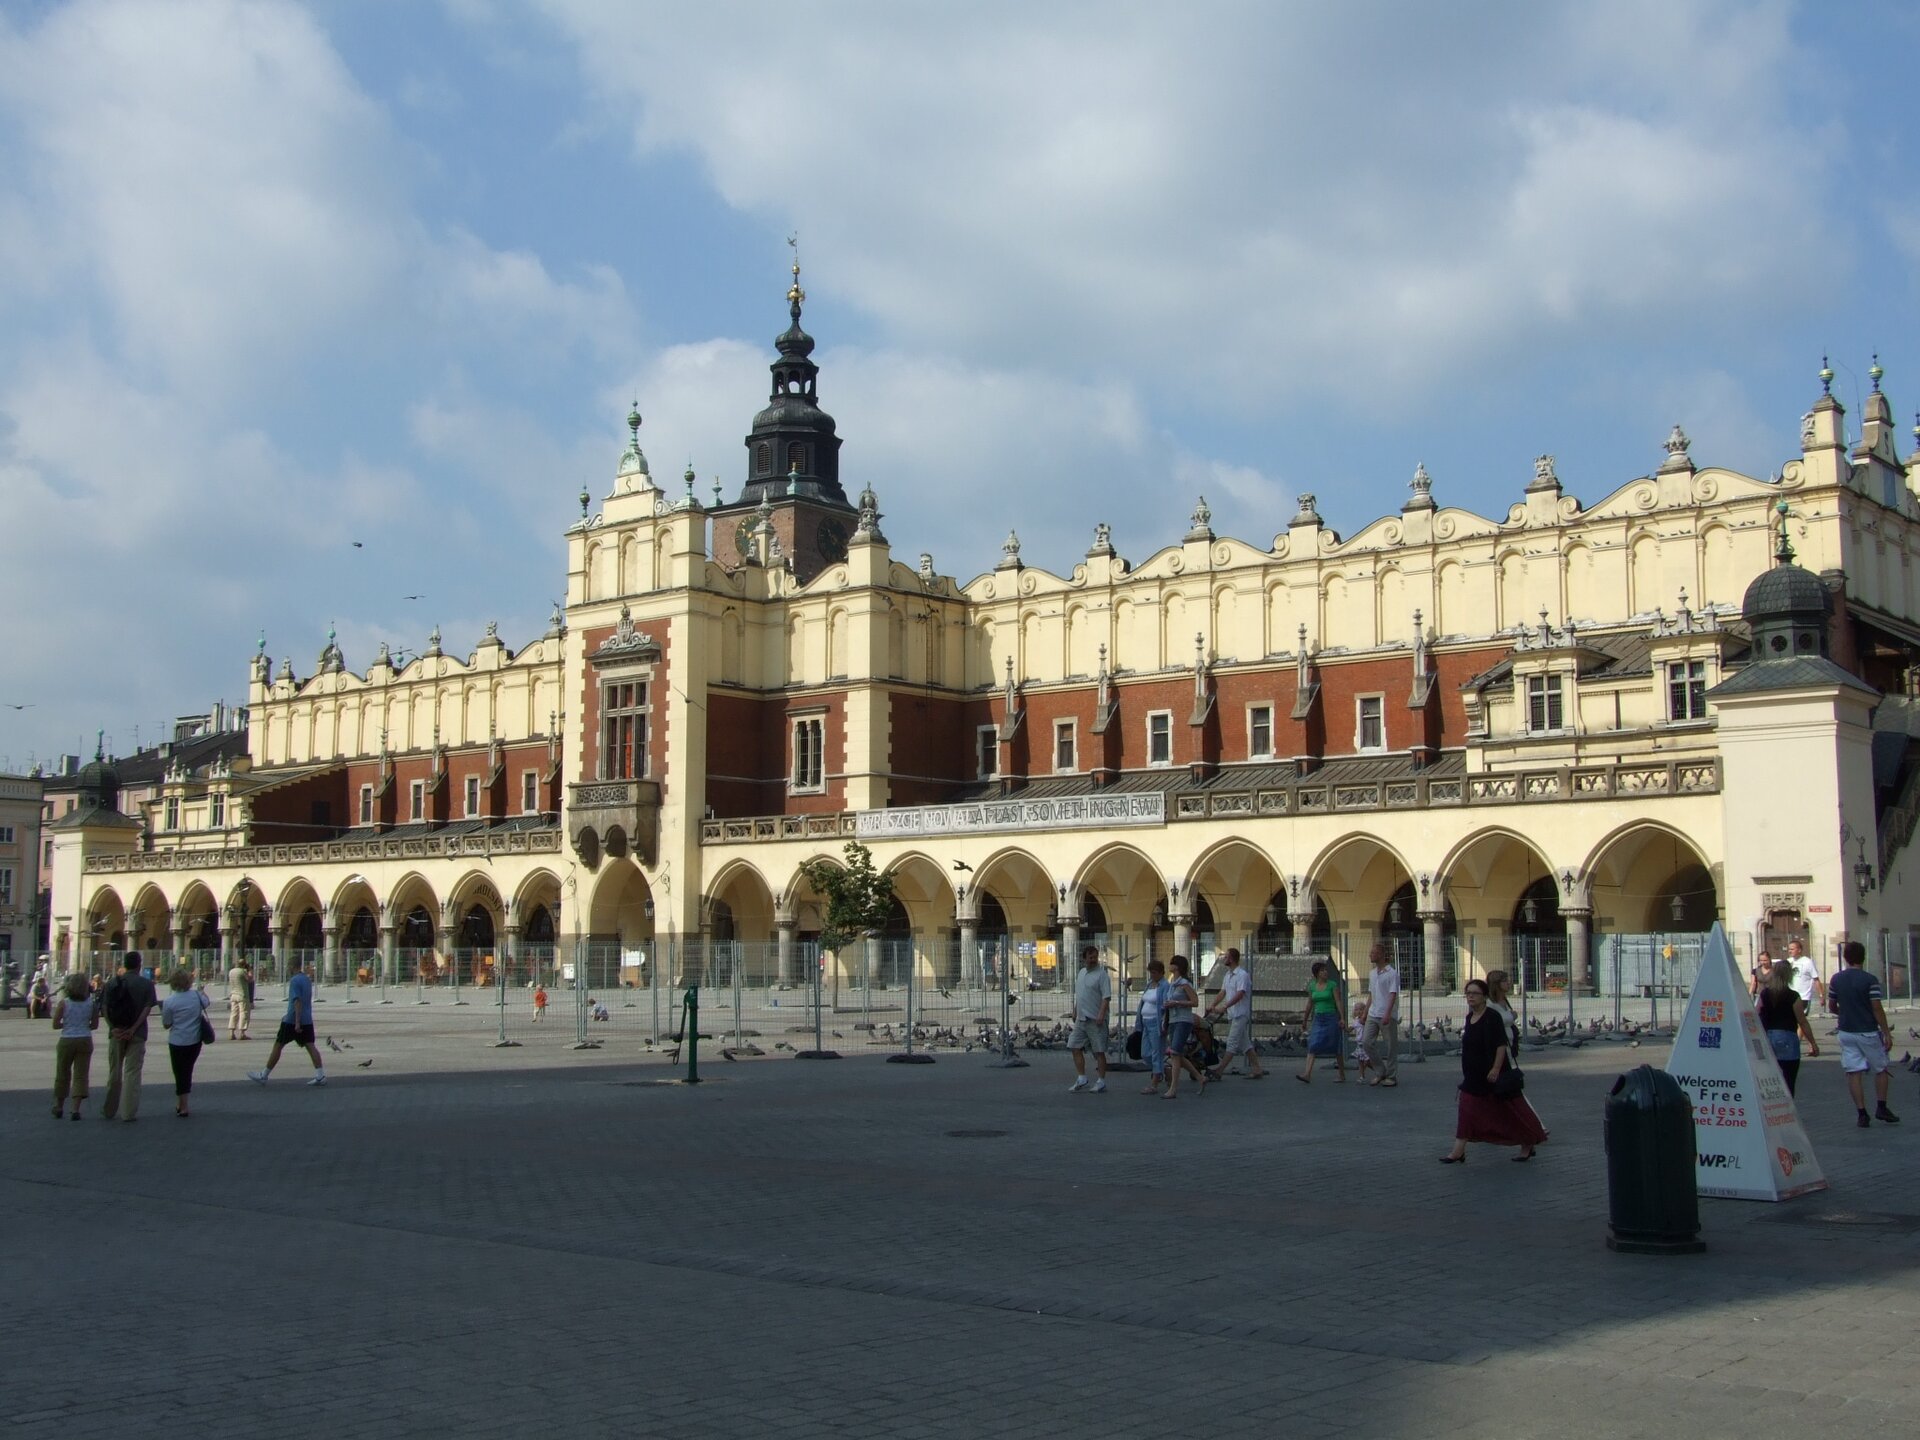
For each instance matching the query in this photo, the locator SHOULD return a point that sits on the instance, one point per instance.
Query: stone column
(330, 952)
(970, 949)
(1069, 945)
(1579, 950)
(785, 928)
(180, 956)
(230, 939)
(1183, 942)
(390, 951)
(443, 938)
(281, 937)
(1433, 937)
(509, 957)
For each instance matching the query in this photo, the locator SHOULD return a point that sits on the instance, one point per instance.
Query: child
(540, 1004)
(1360, 1057)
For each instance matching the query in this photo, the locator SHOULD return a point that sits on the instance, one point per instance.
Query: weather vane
(796, 295)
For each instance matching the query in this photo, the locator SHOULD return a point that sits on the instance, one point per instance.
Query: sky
(309, 308)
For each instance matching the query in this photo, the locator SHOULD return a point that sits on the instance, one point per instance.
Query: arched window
(763, 458)
(797, 458)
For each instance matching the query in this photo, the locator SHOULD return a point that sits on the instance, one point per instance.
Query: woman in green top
(1323, 1023)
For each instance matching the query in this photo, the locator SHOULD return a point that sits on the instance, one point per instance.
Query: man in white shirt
(1383, 1017)
(1236, 998)
(1092, 996)
(1806, 976)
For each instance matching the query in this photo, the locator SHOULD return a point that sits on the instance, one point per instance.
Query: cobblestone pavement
(474, 1242)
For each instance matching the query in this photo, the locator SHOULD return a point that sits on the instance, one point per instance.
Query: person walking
(1092, 998)
(1383, 1016)
(1485, 1116)
(1323, 1023)
(539, 1004)
(1806, 977)
(1762, 973)
(183, 1015)
(1864, 1032)
(239, 1000)
(1783, 1015)
(76, 1015)
(126, 1002)
(1153, 1030)
(1236, 1001)
(296, 1026)
(1182, 999)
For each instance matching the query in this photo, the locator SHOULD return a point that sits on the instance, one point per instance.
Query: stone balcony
(614, 818)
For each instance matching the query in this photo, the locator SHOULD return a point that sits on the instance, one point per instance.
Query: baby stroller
(1202, 1052)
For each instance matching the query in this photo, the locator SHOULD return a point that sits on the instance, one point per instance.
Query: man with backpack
(128, 999)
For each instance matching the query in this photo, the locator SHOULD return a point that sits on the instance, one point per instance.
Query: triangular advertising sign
(1748, 1141)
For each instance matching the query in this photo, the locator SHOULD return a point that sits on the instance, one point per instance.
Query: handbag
(1510, 1084)
(206, 1027)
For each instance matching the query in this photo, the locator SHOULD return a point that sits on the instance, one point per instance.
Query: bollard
(503, 1043)
(1653, 1207)
(690, 1033)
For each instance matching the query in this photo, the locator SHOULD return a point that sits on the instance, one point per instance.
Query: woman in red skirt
(1485, 1117)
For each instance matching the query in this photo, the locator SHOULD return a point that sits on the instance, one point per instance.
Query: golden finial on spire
(795, 296)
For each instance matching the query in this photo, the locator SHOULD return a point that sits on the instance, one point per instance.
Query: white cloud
(1244, 203)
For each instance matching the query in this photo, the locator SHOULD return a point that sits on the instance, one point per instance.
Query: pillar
(509, 959)
(281, 937)
(1069, 948)
(230, 939)
(785, 930)
(443, 937)
(390, 951)
(1433, 939)
(1579, 949)
(180, 955)
(1183, 941)
(970, 950)
(330, 953)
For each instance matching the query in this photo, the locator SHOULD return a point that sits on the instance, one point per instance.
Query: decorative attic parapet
(1688, 621)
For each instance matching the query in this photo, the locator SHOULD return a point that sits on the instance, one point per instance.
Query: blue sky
(281, 277)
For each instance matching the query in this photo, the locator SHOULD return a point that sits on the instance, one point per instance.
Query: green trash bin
(1653, 1206)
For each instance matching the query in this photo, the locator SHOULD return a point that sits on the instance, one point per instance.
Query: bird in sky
(413, 597)
(358, 546)
(12, 706)
(962, 865)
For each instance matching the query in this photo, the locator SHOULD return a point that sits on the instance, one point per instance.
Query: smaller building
(20, 908)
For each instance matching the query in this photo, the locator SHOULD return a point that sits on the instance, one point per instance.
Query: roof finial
(1826, 377)
(633, 420)
(796, 297)
(1783, 552)
(1874, 372)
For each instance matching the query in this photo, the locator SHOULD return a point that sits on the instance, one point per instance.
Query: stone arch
(198, 916)
(839, 641)
(1636, 873)
(1513, 597)
(1355, 877)
(1484, 877)
(1128, 885)
(1238, 879)
(1453, 601)
(1393, 622)
(149, 919)
(105, 928)
(413, 909)
(926, 894)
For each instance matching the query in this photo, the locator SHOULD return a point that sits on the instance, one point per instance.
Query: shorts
(301, 1035)
(1861, 1052)
(1240, 1035)
(1089, 1035)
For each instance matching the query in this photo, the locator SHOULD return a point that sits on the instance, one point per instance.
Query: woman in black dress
(1485, 1117)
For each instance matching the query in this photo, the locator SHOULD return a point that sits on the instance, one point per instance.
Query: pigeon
(364, 1064)
(728, 1055)
(331, 1045)
(358, 546)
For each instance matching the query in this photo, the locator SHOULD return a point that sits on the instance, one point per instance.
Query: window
(46, 856)
(1259, 731)
(1687, 690)
(529, 792)
(366, 804)
(6, 885)
(1160, 738)
(417, 798)
(809, 753)
(986, 752)
(6, 834)
(1370, 722)
(473, 796)
(763, 453)
(216, 811)
(1065, 761)
(797, 458)
(173, 814)
(624, 714)
(1544, 712)
(321, 812)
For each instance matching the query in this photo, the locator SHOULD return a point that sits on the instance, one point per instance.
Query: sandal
(1171, 1095)
(1303, 1079)
(1453, 1159)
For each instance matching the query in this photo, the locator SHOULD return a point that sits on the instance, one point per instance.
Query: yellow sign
(1046, 954)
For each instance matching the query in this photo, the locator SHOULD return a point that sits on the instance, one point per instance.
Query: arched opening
(1403, 931)
(1537, 939)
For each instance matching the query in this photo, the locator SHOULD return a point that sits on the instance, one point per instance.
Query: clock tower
(793, 467)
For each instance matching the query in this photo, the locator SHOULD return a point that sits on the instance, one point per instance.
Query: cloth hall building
(1686, 701)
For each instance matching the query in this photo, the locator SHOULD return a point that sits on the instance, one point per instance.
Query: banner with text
(1748, 1139)
(1070, 812)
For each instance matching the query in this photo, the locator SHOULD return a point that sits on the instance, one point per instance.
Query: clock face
(743, 537)
(832, 539)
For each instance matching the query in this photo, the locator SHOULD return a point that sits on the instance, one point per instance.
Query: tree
(859, 898)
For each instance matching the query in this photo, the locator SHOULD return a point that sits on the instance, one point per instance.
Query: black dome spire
(792, 449)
